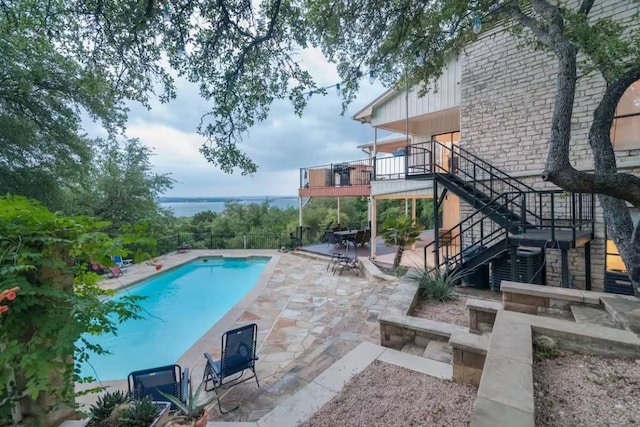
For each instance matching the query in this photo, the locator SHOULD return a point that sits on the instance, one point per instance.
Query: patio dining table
(346, 235)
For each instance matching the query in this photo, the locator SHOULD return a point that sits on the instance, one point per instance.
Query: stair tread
(592, 316)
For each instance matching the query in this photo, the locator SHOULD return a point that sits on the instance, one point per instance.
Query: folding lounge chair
(114, 272)
(122, 263)
(97, 268)
(168, 379)
(238, 355)
(351, 264)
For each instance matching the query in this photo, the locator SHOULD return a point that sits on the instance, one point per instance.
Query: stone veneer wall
(507, 99)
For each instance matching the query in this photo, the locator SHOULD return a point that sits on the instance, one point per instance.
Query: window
(613, 260)
(625, 130)
(448, 138)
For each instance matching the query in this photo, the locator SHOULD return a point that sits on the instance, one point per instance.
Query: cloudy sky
(280, 145)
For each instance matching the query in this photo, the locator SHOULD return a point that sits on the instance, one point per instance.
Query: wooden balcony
(345, 179)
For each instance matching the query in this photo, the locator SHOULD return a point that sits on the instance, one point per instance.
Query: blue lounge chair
(238, 356)
(122, 263)
(170, 379)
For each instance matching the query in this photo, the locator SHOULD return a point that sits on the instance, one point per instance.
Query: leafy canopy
(74, 56)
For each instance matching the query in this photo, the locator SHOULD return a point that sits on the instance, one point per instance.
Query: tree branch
(531, 23)
(586, 6)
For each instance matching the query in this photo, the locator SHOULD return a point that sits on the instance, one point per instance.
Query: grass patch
(545, 348)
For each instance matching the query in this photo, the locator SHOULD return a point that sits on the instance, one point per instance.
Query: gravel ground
(575, 390)
(387, 395)
(453, 312)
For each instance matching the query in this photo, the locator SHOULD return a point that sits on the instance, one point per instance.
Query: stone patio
(307, 319)
(321, 318)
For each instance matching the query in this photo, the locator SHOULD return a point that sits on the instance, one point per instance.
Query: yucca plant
(141, 413)
(191, 410)
(101, 410)
(436, 285)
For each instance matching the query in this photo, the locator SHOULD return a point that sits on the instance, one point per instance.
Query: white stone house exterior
(500, 111)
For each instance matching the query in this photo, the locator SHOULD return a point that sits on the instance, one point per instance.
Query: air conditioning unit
(530, 268)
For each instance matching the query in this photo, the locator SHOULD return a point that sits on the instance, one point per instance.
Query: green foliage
(545, 347)
(435, 285)
(121, 186)
(400, 231)
(101, 410)
(46, 255)
(140, 413)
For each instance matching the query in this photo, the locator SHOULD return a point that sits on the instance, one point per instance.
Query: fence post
(178, 242)
(244, 241)
(210, 240)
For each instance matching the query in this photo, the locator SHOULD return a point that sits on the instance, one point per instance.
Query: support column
(406, 207)
(339, 212)
(300, 219)
(413, 218)
(564, 260)
(374, 227)
(436, 226)
(587, 266)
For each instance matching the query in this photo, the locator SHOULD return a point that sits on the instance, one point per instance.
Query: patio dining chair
(170, 379)
(239, 348)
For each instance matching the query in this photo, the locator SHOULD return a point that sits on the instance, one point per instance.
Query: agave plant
(141, 413)
(191, 410)
(101, 410)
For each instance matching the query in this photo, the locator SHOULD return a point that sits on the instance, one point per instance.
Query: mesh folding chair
(168, 379)
(238, 356)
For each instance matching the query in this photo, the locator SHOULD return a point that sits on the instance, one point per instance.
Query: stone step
(413, 348)
(440, 351)
(592, 316)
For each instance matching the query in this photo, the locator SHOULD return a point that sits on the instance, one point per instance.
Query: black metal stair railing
(475, 231)
(561, 212)
(473, 174)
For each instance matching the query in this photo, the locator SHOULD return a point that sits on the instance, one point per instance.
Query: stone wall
(507, 97)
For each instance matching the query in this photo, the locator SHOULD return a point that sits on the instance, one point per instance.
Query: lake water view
(191, 207)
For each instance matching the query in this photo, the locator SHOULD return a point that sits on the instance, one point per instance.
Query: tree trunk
(613, 188)
(398, 258)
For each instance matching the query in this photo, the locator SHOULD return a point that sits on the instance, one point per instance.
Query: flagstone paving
(315, 318)
(307, 319)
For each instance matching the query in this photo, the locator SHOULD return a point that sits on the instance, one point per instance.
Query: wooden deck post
(339, 212)
(413, 218)
(374, 226)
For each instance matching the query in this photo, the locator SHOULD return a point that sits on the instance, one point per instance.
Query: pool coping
(211, 338)
(214, 334)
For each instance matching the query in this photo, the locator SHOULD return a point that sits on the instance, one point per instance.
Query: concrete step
(592, 316)
(440, 351)
(412, 348)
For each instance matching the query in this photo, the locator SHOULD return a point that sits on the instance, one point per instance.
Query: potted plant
(191, 412)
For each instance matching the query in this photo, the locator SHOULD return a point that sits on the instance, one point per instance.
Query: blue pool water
(181, 305)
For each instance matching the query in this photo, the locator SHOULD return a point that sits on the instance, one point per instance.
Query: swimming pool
(181, 305)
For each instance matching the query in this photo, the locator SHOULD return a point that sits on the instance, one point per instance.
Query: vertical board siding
(443, 94)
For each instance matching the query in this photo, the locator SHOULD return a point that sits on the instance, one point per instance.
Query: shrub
(545, 347)
(435, 285)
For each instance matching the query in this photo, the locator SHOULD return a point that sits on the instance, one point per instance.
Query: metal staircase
(505, 212)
